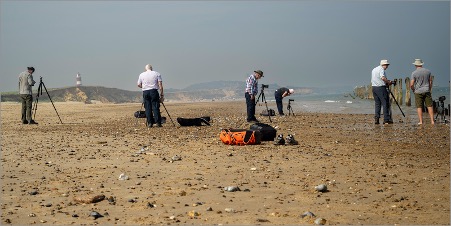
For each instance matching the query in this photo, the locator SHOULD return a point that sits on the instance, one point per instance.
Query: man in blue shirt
(251, 92)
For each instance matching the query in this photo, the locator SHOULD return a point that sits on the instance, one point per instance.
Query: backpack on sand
(268, 133)
(240, 137)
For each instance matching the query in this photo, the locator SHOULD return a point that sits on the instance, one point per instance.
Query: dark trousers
(381, 100)
(279, 98)
(27, 101)
(250, 105)
(152, 104)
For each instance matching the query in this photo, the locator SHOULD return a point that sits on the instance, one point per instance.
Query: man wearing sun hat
(421, 85)
(379, 83)
(279, 94)
(250, 93)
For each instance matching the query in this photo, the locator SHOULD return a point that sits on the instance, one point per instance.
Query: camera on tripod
(441, 111)
(265, 86)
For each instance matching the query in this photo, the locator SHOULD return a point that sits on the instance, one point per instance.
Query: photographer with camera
(250, 93)
(380, 83)
(279, 94)
(421, 85)
(25, 83)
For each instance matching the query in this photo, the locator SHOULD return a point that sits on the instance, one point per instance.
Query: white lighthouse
(78, 79)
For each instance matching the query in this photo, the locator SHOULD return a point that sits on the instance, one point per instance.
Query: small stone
(320, 221)
(321, 188)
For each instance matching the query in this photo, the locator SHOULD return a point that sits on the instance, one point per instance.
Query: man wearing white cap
(379, 83)
(279, 94)
(421, 85)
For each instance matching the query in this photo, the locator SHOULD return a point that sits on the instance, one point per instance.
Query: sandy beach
(96, 163)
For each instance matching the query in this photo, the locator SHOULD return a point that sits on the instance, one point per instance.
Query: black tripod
(167, 113)
(441, 110)
(290, 110)
(388, 89)
(41, 84)
(262, 95)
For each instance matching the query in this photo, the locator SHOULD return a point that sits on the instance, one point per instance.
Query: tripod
(441, 112)
(290, 110)
(262, 95)
(167, 113)
(388, 89)
(41, 84)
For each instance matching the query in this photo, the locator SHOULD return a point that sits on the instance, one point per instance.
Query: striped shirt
(252, 85)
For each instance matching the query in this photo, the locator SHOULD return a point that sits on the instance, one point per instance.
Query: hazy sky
(295, 43)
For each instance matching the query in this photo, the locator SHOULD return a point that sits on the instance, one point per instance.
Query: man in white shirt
(150, 82)
(379, 83)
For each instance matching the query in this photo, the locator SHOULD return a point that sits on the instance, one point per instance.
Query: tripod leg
(52, 102)
(168, 113)
(267, 109)
(37, 100)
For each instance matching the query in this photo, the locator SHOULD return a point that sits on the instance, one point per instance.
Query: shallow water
(340, 103)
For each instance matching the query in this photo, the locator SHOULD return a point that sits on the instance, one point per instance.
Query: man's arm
(160, 84)
(430, 83)
(412, 84)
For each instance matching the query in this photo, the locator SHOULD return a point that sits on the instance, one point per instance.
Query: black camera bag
(268, 133)
(140, 114)
(265, 112)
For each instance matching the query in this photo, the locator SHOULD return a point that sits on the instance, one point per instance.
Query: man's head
(148, 67)
(384, 64)
(418, 63)
(291, 91)
(258, 74)
(30, 70)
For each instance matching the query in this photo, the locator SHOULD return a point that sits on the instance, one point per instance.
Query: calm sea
(341, 103)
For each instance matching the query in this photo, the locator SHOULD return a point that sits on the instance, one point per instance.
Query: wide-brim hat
(418, 62)
(384, 62)
(259, 72)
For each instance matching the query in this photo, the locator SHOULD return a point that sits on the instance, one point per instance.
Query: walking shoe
(290, 140)
(32, 122)
(376, 121)
(25, 122)
(159, 125)
(279, 140)
(388, 122)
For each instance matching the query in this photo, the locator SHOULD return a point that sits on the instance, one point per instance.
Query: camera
(290, 100)
(265, 86)
(442, 98)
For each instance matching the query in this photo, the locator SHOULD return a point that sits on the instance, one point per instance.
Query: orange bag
(240, 136)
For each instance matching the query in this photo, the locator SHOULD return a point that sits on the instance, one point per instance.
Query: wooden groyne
(366, 92)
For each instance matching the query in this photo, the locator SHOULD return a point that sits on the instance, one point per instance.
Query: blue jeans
(381, 99)
(278, 97)
(152, 104)
(250, 105)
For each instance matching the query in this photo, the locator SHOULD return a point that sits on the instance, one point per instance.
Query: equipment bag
(265, 112)
(194, 121)
(268, 133)
(240, 137)
(140, 114)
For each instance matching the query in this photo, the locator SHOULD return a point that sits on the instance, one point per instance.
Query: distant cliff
(210, 91)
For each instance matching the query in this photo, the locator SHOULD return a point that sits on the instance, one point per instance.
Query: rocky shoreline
(103, 166)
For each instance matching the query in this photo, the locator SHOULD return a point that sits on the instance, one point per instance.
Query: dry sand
(375, 174)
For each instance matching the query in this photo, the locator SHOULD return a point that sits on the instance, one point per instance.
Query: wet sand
(55, 173)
